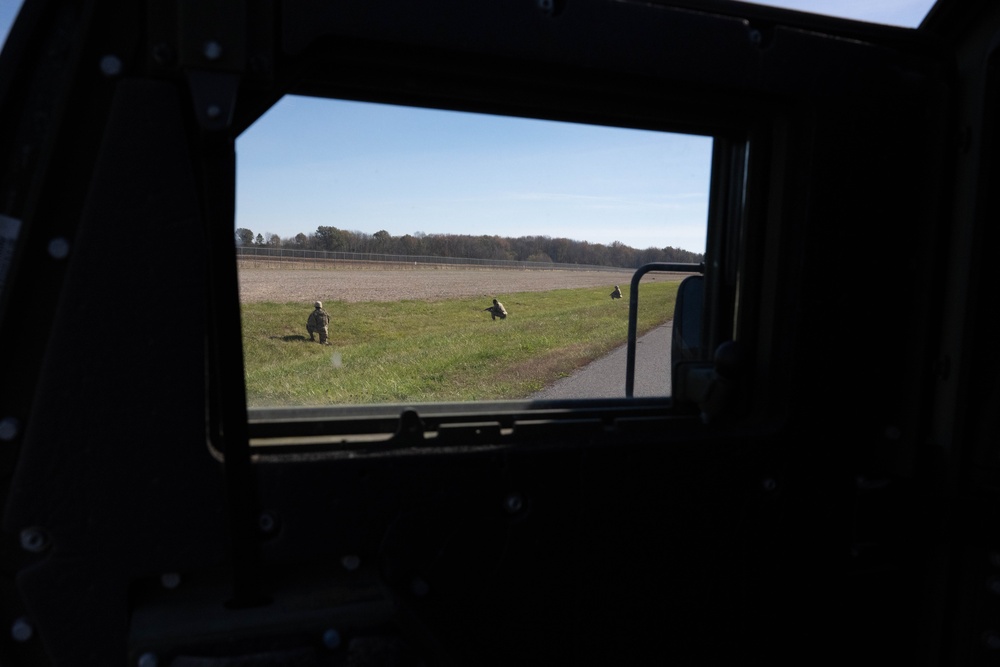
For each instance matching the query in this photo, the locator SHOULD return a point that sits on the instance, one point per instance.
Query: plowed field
(282, 285)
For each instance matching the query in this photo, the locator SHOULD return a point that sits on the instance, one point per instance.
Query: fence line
(293, 255)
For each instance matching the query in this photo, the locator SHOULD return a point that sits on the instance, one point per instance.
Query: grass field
(445, 350)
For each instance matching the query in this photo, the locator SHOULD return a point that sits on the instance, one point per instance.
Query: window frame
(382, 428)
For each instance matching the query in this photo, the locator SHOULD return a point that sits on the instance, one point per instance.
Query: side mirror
(709, 381)
(686, 343)
(695, 299)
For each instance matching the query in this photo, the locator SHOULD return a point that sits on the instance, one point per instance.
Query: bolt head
(513, 503)
(21, 630)
(331, 639)
(34, 540)
(9, 428)
(266, 523)
(212, 50)
(58, 248)
(111, 66)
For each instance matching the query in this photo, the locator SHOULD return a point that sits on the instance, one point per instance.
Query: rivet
(59, 248)
(770, 484)
(266, 522)
(21, 630)
(34, 540)
(331, 639)
(756, 38)
(213, 111)
(170, 580)
(212, 50)
(513, 503)
(9, 428)
(350, 562)
(111, 66)
(147, 660)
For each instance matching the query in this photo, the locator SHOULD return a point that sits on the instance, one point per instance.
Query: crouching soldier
(318, 323)
(617, 294)
(497, 310)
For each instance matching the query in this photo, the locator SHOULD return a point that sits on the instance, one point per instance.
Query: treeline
(523, 248)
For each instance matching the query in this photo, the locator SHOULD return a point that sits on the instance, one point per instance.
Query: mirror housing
(710, 384)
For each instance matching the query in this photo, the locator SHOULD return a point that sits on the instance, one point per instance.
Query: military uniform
(318, 323)
(497, 310)
(617, 294)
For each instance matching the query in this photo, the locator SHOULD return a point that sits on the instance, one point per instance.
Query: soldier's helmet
(318, 304)
(494, 302)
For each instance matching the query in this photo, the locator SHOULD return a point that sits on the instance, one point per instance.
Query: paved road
(605, 378)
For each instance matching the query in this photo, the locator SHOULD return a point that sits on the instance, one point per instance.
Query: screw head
(513, 503)
(111, 65)
(331, 639)
(267, 523)
(21, 630)
(9, 428)
(212, 50)
(58, 248)
(34, 540)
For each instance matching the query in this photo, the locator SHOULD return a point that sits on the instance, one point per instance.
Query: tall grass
(420, 351)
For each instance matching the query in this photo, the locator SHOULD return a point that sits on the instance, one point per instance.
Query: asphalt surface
(605, 378)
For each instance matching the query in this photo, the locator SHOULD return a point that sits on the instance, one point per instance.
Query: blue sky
(364, 167)
(367, 167)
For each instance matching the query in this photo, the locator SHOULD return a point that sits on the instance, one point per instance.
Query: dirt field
(429, 284)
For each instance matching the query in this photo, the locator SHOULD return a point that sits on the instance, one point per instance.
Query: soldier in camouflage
(617, 294)
(318, 323)
(497, 310)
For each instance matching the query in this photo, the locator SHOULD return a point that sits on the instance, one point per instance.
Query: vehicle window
(456, 256)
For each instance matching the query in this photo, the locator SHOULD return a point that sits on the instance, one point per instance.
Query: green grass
(419, 351)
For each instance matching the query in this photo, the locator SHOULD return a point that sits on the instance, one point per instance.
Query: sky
(366, 168)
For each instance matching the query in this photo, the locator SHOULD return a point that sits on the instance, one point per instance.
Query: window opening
(406, 223)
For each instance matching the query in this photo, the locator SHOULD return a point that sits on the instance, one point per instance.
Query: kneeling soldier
(497, 310)
(319, 321)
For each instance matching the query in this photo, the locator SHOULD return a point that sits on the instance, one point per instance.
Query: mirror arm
(633, 311)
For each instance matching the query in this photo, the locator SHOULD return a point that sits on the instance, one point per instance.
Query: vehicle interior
(820, 486)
